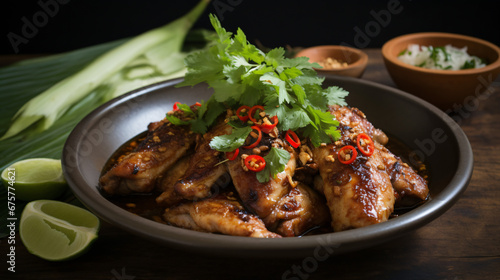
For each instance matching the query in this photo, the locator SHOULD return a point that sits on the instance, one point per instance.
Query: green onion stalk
(159, 47)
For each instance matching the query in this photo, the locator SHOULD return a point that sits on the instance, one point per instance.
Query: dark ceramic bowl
(429, 133)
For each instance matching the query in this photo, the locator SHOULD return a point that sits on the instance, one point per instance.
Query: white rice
(447, 57)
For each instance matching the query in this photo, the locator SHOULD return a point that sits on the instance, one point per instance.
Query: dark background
(77, 23)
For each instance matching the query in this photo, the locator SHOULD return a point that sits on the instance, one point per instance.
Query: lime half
(57, 231)
(35, 178)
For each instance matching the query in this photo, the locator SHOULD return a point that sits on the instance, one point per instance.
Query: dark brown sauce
(145, 205)
(401, 150)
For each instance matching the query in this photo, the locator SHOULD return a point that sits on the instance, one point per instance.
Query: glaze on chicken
(202, 171)
(139, 170)
(219, 214)
(201, 190)
(363, 192)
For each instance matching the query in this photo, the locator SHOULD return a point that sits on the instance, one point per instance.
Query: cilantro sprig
(229, 143)
(241, 74)
(276, 161)
(289, 88)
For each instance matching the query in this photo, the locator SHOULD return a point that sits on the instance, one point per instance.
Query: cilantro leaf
(229, 143)
(215, 109)
(299, 63)
(176, 121)
(279, 85)
(316, 136)
(243, 48)
(275, 57)
(202, 67)
(296, 117)
(291, 73)
(300, 93)
(276, 161)
(186, 109)
(241, 74)
(198, 126)
(336, 95)
(322, 128)
(224, 91)
(315, 97)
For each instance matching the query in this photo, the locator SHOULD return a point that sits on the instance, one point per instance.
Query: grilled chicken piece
(220, 214)
(362, 193)
(299, 211)
(136, 172)
(357, 194)
(285, 206)
(410, 187)
(167, 181)
(261, 198)
(355, 120)
(202, 173)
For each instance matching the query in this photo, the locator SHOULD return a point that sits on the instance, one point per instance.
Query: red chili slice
(243, 118)
(266, 128)
(347, 157)
(255, 163)
(197, 104)
(259, 137)
(292, 138)
(365, 144)
(251, 114)
(175, 106)
(232, 155)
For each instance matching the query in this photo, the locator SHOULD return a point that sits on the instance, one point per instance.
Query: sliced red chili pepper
(243, 118)
(365, 144)
(259, 137)
(267, 127)
(255, 163)
(175, 106)
(232, 155)
(347, 154)
(251, 114)
(292, 138)
(197, 104)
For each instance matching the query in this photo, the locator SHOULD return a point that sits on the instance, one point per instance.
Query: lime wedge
(35, 178)
(57, 231)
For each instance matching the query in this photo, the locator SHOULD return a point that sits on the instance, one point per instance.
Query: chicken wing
(357, 194)
(171, 176)
(137, 171)
(261, 198)
(284, 205)
(363, 192)
(410, 187)
(202, 173)
(356, 122)
(219, 214)
(299, 211)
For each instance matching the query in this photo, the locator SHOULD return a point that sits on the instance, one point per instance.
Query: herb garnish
(241, 74)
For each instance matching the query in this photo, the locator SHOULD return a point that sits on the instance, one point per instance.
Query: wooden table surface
(463, 243)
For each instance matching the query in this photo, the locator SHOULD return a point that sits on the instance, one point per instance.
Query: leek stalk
(28, 79)
(44, 109)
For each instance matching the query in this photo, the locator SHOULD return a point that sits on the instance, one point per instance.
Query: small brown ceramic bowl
(356, 60)
(443, 88)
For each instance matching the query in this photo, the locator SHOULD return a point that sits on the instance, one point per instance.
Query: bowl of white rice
(448, 70)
